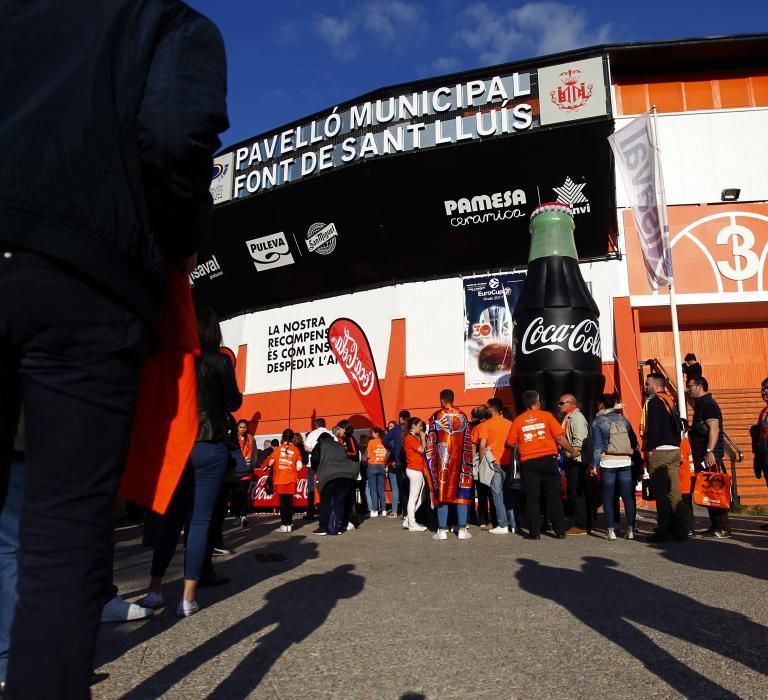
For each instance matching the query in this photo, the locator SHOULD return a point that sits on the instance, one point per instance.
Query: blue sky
(291, 58)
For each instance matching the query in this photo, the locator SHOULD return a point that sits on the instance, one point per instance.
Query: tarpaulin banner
(637, 160)
(489, 301)
(352, 351)
(259, 498)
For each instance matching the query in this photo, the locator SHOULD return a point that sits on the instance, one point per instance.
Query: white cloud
(386, 20)
(387, 23)
(337, 33)
(534, 28)
(446, 64)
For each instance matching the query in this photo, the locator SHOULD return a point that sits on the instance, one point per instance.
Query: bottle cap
(551, 231)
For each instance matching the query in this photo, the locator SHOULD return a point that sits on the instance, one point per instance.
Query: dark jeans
(192, 507)
(719, 518)
(310, 493)
(576, 503)
(71, 356)
(541, 475)
(238, 497)
(9, 545)
(286, 508)
(333, 498)
(609, 480)
(485, 514)
(376, 487)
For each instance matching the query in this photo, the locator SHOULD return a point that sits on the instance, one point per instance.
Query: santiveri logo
(210, 269)
(270, 251)
(572, 195)
(485, 208)
(321, 238)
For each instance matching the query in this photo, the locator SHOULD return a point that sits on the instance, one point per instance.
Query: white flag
(636, 153)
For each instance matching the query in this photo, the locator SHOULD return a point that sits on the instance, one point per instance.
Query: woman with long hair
(195, 496)
(614, 443)
(414, 446)
(345, 434)
(239, 490)
(285, 463)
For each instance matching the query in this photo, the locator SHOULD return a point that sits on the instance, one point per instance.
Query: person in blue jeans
(9, 543)
(197, 492)
(614, 442)
(377, 464)
(393, 441)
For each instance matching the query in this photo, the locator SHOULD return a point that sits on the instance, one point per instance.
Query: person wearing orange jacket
(285, 464)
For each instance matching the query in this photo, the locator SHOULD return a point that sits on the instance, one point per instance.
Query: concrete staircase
(740, 408)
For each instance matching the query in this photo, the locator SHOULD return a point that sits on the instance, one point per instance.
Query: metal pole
(664, 223)
(290, 382)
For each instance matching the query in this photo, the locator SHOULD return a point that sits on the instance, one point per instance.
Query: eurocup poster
(489, 301)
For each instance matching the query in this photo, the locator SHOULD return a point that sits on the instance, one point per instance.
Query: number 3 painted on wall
(741, 249)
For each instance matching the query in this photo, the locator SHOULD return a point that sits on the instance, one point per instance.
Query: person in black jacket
(110, 117)
(662, 451)
(336, 474)
(195, 496)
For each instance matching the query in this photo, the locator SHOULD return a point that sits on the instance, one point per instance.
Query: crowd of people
(523, 475)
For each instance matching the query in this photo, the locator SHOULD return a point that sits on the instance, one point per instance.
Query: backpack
(618, 440)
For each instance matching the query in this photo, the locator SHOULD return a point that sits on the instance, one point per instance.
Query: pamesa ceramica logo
(321, 238)
(572, 195)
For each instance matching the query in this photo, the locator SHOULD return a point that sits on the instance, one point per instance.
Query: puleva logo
(270, 251)
(321, 238)
(574, 93)
(572, 195)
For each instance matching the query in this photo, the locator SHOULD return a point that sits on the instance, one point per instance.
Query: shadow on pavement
(609, 601)
(719, 555)
(296, 609)
(244, 572)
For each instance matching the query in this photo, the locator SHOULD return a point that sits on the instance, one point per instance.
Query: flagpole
(672, 298)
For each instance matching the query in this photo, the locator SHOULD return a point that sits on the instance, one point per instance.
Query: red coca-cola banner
(353, 352)
(261, 499)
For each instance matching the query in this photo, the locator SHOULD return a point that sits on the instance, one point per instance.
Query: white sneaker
(350, 526)
(383, 514)
(416, 528)
(611, 534)
(283, 528)
(464, 534)
(512, 531)
(374, 513)
(119, 610)
(499, 530)
(629, 534)
(185, 608)
(405, 524)
(152, 600)
(440, 535)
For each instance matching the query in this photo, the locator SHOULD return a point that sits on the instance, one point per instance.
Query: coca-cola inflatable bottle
(556, 331)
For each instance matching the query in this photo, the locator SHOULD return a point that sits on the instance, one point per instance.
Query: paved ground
(383, 613)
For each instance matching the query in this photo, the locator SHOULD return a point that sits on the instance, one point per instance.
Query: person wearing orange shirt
(414, 446)
(537, 435)
(492, 434)
(285, 463)
(377, 465)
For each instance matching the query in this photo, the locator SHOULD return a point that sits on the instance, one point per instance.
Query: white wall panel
(434, 313)
(703, 153)
(608, 279)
